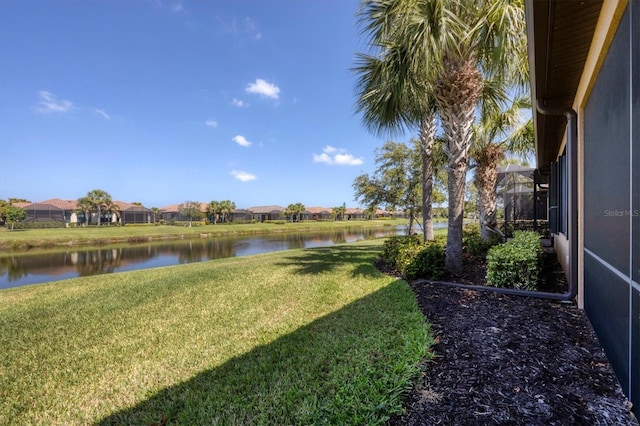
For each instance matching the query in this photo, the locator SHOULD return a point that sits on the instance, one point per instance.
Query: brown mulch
(511, 360)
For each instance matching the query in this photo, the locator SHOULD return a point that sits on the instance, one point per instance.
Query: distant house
(171, 213)
(319, 213)
(54, 210)
(61, 211)
(353, 214)
(133, 213)
(240, 214)
(263, 213)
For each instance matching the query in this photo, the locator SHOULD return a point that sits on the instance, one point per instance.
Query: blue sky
(163, 101)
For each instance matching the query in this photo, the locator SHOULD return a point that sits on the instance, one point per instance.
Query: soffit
(561, 32)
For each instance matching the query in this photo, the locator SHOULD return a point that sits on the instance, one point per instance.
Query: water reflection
(21, 269)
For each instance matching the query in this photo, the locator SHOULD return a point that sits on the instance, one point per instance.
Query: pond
(18, 269)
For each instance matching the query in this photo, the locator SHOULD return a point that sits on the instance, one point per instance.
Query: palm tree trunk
(486, 179)
(427, 137)
(457, 93)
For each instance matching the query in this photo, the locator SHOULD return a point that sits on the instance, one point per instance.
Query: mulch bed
(502, 359)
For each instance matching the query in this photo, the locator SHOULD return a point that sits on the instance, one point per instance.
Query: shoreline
(26, 240)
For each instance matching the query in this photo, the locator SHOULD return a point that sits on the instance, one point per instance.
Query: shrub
(427, 261)
(473, 242)
(515, 264)
(37, 225)
(392, 246)
(186, 223)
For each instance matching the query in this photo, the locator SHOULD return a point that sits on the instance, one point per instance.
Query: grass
(309, 336)
(46, 238)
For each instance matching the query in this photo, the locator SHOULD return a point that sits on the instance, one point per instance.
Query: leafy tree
(3, 208)
(370, 212)
(214, 209)
(460, 42)
(18, 200)
(13, 215)
(396, 181)
(190, 209)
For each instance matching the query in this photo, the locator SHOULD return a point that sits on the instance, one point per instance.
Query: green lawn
(24, 239)
(313, 336)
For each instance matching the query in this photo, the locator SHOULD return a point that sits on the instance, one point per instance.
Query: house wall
(608, 106)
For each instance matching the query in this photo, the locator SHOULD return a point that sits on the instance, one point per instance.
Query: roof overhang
(559, 34)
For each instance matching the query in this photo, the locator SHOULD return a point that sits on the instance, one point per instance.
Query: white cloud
(241, 140)
(347, 160)
(243, 176)
(338, 156)
(49, 103)
(102, 113)
(322, 158)
(263, 88)
(211, 123)
(237, 102)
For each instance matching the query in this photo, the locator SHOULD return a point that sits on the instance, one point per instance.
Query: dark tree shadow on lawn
(307, 376)
(325, 259)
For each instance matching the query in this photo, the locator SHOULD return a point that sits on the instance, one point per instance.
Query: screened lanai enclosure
(51, 211)
(525, 200)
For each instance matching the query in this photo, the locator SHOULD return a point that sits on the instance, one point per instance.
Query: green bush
(516, 263)
(415, 259)
(37, 225)
(473, 242)
(392, 246)
(186, 223)
(427, 261)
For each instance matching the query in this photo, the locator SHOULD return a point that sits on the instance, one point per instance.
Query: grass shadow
(326, 259)
(348, 367)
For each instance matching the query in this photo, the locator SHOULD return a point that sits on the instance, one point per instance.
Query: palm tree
(226, 207)
(339, 212)
(391, 103)
(84, 206)
(98, 199)
(498, 131)
(461, 42)
(113, 209)
(213, 210)
(156, 212)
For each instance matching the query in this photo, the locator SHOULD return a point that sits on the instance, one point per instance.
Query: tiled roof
(54, 202)
(318, 210)
(265, 209)
(20, 205)
(173, 208)
(353, 211)
(123, 206)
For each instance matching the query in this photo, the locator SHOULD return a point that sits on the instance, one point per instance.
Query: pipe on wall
(572, 212)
